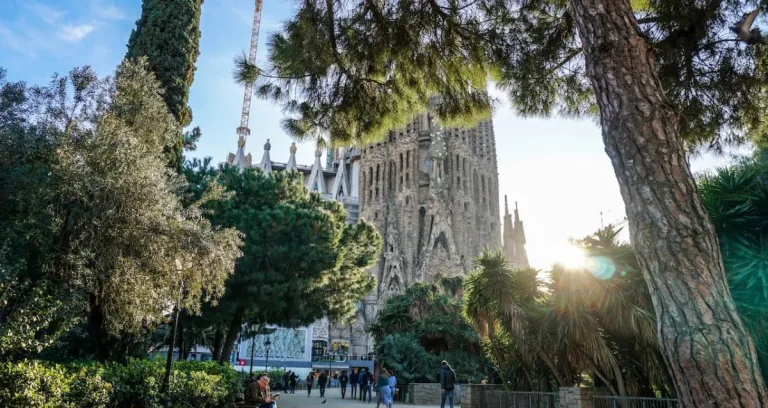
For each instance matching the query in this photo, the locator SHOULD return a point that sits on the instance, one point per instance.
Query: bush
(136, 384)
(31, 384)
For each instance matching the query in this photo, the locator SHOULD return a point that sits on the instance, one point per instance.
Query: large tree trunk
(229, 341)
(708, 351)
(218, 343)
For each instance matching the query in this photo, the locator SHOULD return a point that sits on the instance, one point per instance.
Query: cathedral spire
(292, 159)
(315, 181)
(266, 162)
(514, 238)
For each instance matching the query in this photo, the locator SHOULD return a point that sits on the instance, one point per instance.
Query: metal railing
(635, 402)
(341, 357)
(518, 399)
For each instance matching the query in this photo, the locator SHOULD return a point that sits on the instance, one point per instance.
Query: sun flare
(570, 256)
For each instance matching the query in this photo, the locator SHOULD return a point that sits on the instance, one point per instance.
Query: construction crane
(243, 131)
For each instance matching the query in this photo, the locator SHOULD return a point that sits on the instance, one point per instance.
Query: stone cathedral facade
(433, 194)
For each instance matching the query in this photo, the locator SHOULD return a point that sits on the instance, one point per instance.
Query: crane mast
(243, 130)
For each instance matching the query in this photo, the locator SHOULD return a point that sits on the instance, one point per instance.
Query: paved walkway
(333, 397)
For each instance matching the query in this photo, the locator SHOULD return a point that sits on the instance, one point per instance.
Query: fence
(518, 399)
(635, 402)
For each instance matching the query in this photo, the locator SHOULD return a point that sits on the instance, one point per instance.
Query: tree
(94, 230)
(424, 325)
(301, 260)
(736, 198)
(168, 35)
(355, 70)
(597, 321)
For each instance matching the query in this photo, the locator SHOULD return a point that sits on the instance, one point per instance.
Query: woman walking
(310, 380)
(385, 391)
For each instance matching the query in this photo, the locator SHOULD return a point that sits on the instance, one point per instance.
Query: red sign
(241, 362)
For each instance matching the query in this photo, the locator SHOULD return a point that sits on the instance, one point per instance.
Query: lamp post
(267, 345)
(166, 385)
(253, 346)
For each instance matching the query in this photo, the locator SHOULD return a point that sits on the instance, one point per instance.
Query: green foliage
(423, 326)
(168, 35)
(356, 70)
(93, 229)
(545, 331)
(736, 199)
(137, 384)
(301, 260)
(31, 384)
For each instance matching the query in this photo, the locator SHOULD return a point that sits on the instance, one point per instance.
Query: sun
(570, 256)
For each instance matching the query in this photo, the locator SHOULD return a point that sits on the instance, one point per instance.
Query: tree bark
(551, 364)
(218, 343)
(229, 341)
(708, 352)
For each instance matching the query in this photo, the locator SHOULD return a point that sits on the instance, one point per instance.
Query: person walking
(384, 391)
(364, 382)
(321, 383)
(310, 381)
(369, 374)
(447, 383)
(393, 386)
(343, 380)
(292, 380)
(286, 378)
(354, 379)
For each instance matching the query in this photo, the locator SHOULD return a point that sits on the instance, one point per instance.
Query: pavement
(333, 399)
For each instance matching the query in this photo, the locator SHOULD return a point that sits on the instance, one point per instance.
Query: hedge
(38, 384)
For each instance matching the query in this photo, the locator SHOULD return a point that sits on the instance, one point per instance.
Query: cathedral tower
(514, 239)
(433, 194)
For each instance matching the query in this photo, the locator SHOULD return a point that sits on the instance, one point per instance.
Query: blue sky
(555, 168)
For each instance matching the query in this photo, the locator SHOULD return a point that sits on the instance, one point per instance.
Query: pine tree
(355, 70)
(168, 34)
(301, 260)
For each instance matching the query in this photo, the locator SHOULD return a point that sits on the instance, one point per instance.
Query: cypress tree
(168, 34)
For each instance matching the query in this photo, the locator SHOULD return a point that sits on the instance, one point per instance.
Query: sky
(555, 168)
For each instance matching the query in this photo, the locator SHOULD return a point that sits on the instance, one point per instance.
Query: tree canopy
(93, 222)
(423, 326)
(354, 71)
(301, 260)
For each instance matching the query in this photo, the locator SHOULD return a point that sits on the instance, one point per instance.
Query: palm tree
(736, 198)
(506, 307)
(571, 324)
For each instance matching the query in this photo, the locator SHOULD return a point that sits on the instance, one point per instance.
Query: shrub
(30, 384)
(36, 384)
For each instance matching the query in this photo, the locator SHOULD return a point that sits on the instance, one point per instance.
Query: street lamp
(267, 345)
(253, 347)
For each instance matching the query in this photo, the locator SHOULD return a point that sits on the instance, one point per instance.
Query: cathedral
(433, 194)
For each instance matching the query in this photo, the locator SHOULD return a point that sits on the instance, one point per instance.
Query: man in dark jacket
(354, 379)
(286, 378)
(447, 383)
(343, 380)
(321, 382)
(365, 382)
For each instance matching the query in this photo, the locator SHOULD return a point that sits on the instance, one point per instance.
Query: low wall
(430, 394)
(486, 396)
(579, 397)
(472, 394)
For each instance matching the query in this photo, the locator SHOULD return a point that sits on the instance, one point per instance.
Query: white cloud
(46, 13)
(74, 33)
(111, 13)
(10, 39)
(106, 11)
